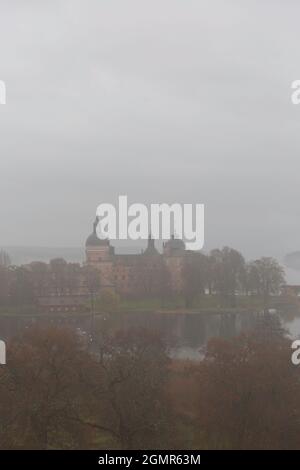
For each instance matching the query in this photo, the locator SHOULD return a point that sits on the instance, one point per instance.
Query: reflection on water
(199, 329)
(186, 334)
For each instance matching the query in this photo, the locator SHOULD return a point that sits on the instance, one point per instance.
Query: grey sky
(165, 101)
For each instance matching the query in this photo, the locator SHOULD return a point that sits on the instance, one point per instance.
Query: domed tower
(174, 247)
(97, 250)
(99, 254)
(151, 250)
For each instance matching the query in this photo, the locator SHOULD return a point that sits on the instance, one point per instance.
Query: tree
(228, 273)
(266, 276)
(129, 401)
(42, 391)
(248, 395)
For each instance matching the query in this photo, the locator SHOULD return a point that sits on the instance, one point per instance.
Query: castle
(122, 272)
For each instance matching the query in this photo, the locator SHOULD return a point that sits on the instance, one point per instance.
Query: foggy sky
(162, 100)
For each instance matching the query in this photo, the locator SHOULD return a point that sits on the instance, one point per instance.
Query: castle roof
(93, 239)
(175, 244)
(151, 250)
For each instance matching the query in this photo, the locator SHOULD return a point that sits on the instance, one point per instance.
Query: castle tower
(174, 247)
(151, 250)
(100, 254)
(97, 249)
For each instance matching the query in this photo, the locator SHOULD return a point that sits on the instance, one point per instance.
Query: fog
(164, 101)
